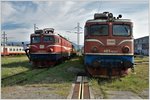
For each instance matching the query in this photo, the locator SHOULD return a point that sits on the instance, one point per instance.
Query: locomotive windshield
(121, 30)
(48, 39)
(99, 29)
(35, 39)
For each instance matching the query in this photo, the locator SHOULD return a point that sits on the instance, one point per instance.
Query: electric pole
(4, 43)
(78, 34)
(35, 28)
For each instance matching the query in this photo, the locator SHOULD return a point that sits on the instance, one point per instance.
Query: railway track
(81, 89)
(22, 77)
(15, 75)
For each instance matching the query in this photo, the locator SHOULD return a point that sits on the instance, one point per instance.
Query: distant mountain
(12, 43)
(76, 46)
(27, 42)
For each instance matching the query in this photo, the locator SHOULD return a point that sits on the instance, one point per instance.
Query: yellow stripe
(79, 91)
(82, 90)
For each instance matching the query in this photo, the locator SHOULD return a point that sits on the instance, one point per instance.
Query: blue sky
(18, 17)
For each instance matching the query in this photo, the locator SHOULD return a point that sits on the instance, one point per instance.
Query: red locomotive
(48, 48)
(108, 45)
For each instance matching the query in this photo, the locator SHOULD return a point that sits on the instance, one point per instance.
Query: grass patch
(140, 59)
(13, 65)
(58, 73)
(21, 77)
(12, 59)
(132, 82)
(58, 79)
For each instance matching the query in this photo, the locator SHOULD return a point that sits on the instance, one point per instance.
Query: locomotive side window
(35, 39)
(48, 39)
(121, 30)
(99, 29)
(57, 40)
(85, 31)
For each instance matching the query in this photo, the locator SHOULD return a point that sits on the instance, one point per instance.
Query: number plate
(41, 46)
(111, 41)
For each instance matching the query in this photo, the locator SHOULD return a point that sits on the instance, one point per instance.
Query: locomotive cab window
(48, 39)
(99, 29)
(35, 39)
(121, 30)
(85, 31)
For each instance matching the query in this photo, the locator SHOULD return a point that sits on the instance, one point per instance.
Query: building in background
(141, 46)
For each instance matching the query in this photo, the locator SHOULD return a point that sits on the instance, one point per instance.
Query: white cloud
(7, 11)
(64, 16)
(21, 34)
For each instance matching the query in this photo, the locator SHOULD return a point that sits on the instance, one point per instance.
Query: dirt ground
(121, 95)
(50, 92)
(31, 92)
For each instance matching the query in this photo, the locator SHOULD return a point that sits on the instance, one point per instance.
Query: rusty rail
(81, 88)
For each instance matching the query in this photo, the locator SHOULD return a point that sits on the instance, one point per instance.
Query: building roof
(142, 37)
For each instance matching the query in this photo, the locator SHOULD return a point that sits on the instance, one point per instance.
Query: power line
(35, 27)
(4, 43)
(78, 34)
(4, 38)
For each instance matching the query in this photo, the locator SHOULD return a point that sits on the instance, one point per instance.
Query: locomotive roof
(104, 20)
(56, 34)
(33, 34)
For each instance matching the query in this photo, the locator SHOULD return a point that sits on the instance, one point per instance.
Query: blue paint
(49, 57)
(107, 59)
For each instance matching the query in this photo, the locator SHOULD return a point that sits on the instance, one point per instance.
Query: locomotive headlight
(51, 49)
(125, 49)
(94, 49)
